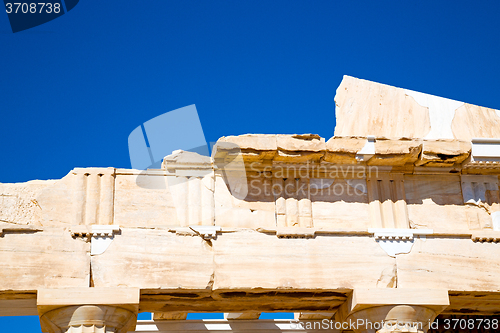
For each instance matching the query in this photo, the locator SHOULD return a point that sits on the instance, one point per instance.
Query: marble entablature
(404, 199)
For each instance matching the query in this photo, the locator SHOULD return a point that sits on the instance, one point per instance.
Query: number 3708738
(33, 7)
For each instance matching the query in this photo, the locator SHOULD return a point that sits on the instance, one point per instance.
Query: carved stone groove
(388, 201)
(93, 195)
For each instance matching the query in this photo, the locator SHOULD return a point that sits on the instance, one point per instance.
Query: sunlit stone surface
(395, 219)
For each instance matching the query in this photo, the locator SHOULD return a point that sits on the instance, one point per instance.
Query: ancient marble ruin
(394, 220)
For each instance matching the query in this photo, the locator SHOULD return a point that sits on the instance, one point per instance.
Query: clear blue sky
(73, 89)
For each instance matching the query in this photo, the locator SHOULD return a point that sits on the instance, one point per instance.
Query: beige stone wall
(44, 258)
(322, 195)
(369, 108)
(276, 222)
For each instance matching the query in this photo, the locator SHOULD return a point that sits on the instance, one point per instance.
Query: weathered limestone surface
(297, 263)
(256, 210)
(472, 121)
(18, 204)
(141, 258)
(342, 196)
(154, 259)
(467, 303)
(369, 108)
(84, 196)
(142, 199)
(46, 258)
(18, 303)
(455, 264)
(443, 152)
(439, 197)
(153, 198)
(55, 203)
(392, 112)
(396, 152)
(342, 150)
(401, 202)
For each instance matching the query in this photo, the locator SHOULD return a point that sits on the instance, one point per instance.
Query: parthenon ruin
(393, 220)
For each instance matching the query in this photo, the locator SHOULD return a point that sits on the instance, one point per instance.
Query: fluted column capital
(393, 318)
(387, 310)
(88, 319)
(88, 310)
